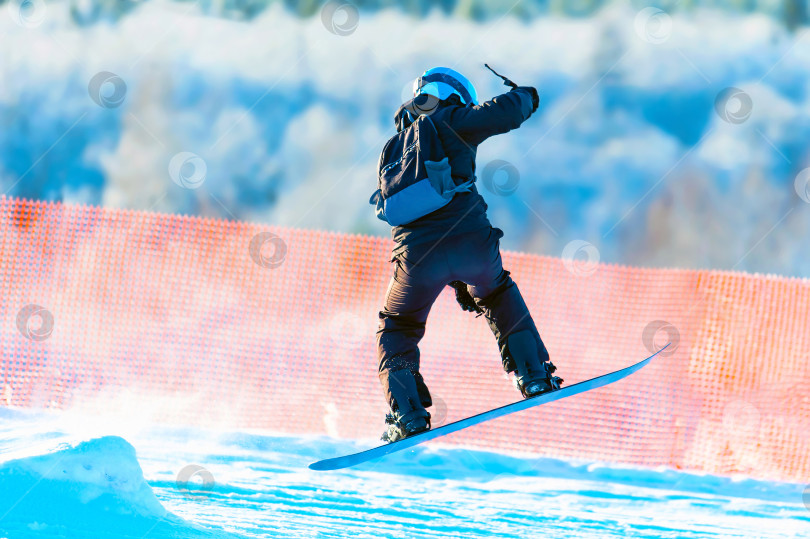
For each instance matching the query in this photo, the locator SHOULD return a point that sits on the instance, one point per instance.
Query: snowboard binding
(529, 361)
(534, 387)
(408, 415)
(399, 428)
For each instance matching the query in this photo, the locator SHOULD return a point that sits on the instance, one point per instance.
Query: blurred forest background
(670, 134)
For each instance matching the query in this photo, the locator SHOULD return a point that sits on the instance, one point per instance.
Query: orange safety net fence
(232, 324)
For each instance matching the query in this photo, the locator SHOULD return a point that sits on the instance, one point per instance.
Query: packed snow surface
(185, 483)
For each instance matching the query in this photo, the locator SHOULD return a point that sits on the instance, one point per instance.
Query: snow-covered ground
(59, 480)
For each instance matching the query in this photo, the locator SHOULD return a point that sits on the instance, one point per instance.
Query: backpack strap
(430, 120)
(448, 191)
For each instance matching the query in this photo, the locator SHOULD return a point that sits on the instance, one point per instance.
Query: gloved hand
(535, 96)
(464, 298)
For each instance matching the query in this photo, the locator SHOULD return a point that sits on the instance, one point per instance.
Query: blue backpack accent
(413, 175)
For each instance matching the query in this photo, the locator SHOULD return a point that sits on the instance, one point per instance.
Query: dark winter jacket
(461, 129)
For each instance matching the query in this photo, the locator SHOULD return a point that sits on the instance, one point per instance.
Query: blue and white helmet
(442, 82)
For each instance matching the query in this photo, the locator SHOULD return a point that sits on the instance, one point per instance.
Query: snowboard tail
(380, 451)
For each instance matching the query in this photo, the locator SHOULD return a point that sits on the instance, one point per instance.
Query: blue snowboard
(376, 452)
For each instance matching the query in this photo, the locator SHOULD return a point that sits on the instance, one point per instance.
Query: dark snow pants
(422, 272)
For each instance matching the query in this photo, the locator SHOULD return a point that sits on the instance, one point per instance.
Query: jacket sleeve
(499, 115)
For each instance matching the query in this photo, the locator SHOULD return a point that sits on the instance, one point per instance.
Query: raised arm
(499, 115)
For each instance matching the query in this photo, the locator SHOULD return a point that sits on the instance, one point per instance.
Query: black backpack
(413, 175)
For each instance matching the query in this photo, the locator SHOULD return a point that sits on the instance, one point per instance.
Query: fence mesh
(222, 323)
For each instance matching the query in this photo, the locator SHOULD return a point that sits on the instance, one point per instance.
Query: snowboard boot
(407, 416)
(533, 371)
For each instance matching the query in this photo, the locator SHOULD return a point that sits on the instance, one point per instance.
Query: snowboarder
(455, 245)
